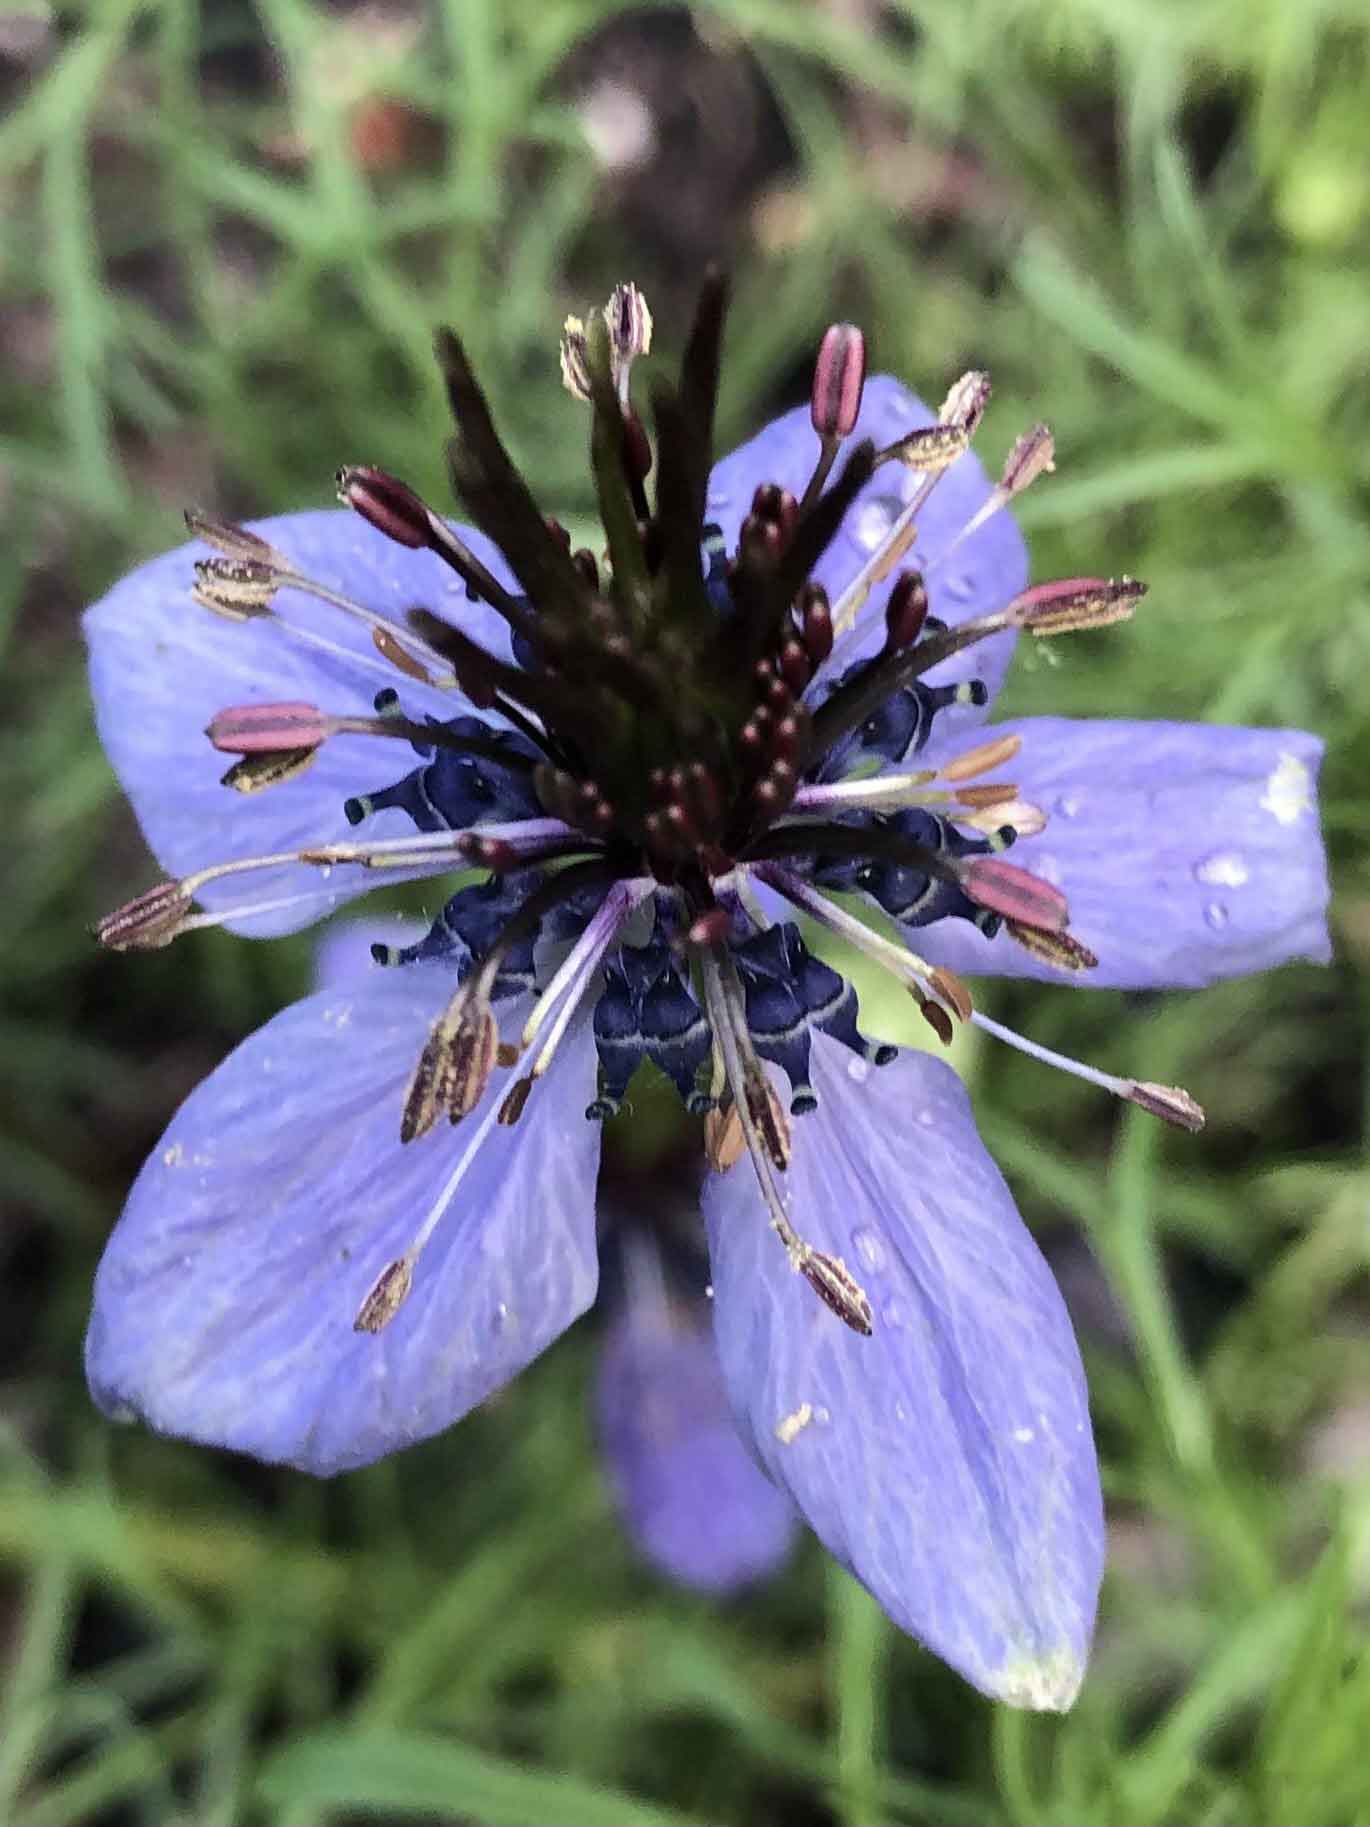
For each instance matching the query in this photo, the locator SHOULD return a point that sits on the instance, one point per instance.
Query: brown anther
(768, 1114)
(990, 793)
(236, 588)
(930, 449)
(949, 987)
(836, 1287)
(1033, 455)
(388, 504)
(980, 760)
(936, 1017)
(905, 612)
(724, 1140)
(233, 541)
(575, 361)
(454, 1067)
(1076, 602)
(629, 324)
(838, 379)
(146, 923)
(506, 1054)
(514, 1100)
(254, 773)
(388, 1294)
(759, 542)
(586, 563)
(399, 657)
(966, 402)
(1171, 1103)
(1063, 950)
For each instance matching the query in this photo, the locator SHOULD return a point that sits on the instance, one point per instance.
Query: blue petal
(342, 957)
(691, 1496)
(982, 575)
(946, 1459)
(1188, 852)
(225, 1302)
(161, 666)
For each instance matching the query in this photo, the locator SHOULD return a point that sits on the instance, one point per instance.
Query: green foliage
(227, 232)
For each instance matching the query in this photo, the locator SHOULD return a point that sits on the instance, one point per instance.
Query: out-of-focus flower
(765, 700)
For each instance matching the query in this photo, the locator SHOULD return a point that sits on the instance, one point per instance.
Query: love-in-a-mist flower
(761, 700)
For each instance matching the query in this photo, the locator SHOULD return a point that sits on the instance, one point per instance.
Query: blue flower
(769, 700)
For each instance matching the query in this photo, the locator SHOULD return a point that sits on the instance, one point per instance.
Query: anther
(1063, 950)
(575, 360)
(725, 1141)
(237, 588)
(511, 1109)
(629, 324)
(839, 378)
(1171, 1103)
(146, 923)
(454, 1067)
(1076, 602)
(981, 759)
(835, 1286)
(388, 1294)
(251, 729)
(271, 768)
(966, 401)
(1033, 455)
(388, 504)
(1006, 889)
(233, 541)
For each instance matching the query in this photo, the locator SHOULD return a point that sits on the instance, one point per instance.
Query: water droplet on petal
(927, 1119)
(1223, 869)
(1216, 915)
(892, 1315)
(873, 519)
(901, 1413)
(822, 1416)
(1068, 805)
(858, 1070)
(870, 1249)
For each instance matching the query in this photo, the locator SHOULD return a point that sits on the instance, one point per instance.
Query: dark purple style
(763, 703)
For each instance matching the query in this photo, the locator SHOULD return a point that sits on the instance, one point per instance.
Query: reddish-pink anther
(390, 505)
(838, 380)
(256, 729)
(1014, 893)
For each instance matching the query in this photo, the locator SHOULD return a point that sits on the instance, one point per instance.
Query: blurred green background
(225, 232)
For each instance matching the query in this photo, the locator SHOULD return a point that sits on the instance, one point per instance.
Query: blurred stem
(859, 1637)
(34, 1675)
(1131, 1255)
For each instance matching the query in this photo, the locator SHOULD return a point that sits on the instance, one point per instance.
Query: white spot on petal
(1224, 869)
(1289, 790)
(788, 1430)
(1023, 1435)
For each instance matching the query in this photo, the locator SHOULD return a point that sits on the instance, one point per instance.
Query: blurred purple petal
(161, 666)
(983, 574)
(1188, 852)
(225, 1302)
(342, 957)
(691, 1496)
(947, 1459)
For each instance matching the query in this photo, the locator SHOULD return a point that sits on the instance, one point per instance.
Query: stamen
(253, 729)
(391, 1287)
(839, 378)
(254, 773)
(1015, 894)
(1077, 602)
(455, 1065)
(1169, 1102)
(1033, 455)
(575, 364)
(982, 758)
(148, 922)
